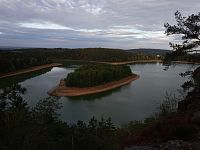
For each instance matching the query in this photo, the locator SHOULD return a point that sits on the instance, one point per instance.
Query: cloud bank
(89, 23)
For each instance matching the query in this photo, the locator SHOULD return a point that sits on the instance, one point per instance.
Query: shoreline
(112, 63)
(136, 61)
(28, 70)
(36, 68)
(186, 62)
(127, 62)
(62, 90)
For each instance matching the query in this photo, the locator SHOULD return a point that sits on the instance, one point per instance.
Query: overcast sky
(89, 23)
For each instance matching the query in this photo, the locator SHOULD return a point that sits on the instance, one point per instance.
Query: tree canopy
(92, 75)
(188, 28)
(25, 58)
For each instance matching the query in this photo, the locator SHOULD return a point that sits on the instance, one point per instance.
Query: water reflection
(5, 82)
(97, 96)
(135, 101)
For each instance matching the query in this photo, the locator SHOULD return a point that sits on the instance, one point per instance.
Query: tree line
(92, 75)
(25, 58)
(16, 60)
(40, 128)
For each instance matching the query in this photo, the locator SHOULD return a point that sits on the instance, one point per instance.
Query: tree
(189, 29)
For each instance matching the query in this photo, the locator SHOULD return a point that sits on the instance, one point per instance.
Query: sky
(122, 24)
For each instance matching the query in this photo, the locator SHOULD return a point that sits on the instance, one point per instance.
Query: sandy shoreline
(113, 63)
(36, 68)
(186, 62)
(62, 90)
(32, 69)
(136, 61)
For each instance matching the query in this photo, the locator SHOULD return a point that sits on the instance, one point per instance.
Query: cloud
(44, 25)
(113, 31)
(89, 23)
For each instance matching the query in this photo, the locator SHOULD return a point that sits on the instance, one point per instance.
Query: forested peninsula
(90, 79)
(92, 75)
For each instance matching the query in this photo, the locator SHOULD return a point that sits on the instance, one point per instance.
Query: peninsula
(91, 79)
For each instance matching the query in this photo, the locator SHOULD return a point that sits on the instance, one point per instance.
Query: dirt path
(36, 68)
(62, 90)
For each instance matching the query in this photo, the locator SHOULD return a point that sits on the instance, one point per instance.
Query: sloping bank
(32, 69)
(62, 90)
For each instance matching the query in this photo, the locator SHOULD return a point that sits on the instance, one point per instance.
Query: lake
(135, 101)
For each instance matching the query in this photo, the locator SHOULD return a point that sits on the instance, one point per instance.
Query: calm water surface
(135, 101)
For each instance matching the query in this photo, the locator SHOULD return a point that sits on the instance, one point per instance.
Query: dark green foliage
(188, 28)
(169, 105)
(150, 51)
(196, 77)
(26, 58)
(99, 54)
(40, 128)
(181, 56)
(92, 75)
(187, 85)
(16, 60)
(45, 110)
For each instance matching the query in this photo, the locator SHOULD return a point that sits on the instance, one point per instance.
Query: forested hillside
(16, 60)
(150, 51)
(182, 56)
(12, 60)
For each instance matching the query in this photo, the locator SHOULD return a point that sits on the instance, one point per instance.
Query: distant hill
(4, 48)
(150, 51)
(12, 60)
(92, 54)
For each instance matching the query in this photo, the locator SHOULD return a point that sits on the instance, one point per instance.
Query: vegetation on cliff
(92, 75)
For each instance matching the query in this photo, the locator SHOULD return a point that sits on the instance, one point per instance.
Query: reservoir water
(135, 101)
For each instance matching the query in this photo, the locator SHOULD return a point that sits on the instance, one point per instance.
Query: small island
(91, 79)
